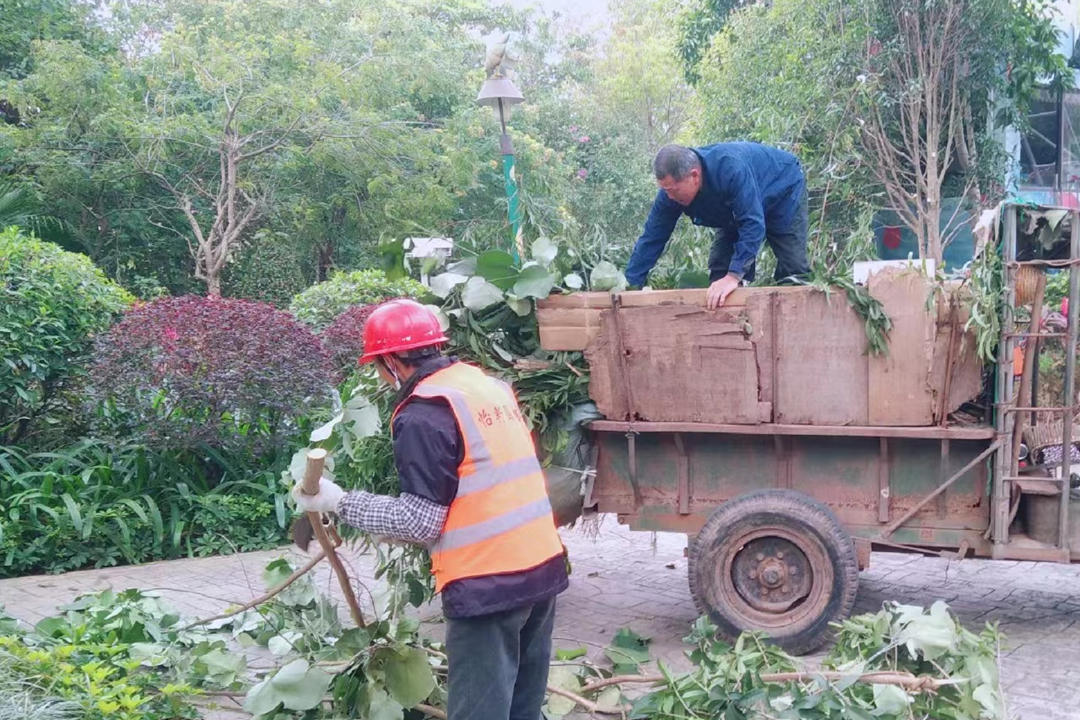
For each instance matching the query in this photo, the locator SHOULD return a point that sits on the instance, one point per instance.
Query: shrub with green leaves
(119, 656)
(96, 505)
(321, 303)
(270, 270)
(53, 302)
(190, 372)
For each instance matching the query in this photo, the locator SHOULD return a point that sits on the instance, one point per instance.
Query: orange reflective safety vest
(500, 521)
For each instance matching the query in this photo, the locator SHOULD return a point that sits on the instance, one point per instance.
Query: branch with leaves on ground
(129, 655)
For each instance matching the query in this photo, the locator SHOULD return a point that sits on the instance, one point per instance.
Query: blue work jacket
(745, 186)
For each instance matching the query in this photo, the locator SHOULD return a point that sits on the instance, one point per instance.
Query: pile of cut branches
(899, 663)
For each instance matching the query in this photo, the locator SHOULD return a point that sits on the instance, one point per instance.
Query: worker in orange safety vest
(472, 490)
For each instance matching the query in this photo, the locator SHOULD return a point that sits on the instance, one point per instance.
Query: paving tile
(621, 579)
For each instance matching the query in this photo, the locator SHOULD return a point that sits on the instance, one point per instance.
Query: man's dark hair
(675, 162)
(412, 358)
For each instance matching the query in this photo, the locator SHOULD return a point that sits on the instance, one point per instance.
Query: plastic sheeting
(568, 469)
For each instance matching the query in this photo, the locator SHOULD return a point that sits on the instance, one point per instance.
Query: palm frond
(19, 206)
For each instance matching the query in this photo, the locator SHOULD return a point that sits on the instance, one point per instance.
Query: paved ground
(639, 580)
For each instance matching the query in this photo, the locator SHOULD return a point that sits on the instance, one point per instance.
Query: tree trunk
(932, 220)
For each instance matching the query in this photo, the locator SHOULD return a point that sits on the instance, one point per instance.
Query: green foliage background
(52, 303)
(359, 128)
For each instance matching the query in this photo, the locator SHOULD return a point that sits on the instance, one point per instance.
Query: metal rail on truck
(1008, 412)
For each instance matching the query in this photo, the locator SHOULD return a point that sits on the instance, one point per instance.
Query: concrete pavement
(638, 580)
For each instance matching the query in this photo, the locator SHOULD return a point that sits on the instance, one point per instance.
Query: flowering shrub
(191, 371)
(344, 339)
(320, 304)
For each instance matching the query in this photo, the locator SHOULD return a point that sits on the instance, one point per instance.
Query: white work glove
(326, 500)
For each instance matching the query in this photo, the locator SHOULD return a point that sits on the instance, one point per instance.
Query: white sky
(1069, 14)
(588, 10)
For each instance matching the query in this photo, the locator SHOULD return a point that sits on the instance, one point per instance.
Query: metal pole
(1070, 380)
(517, 244)
(999, 521)
(1059, 116)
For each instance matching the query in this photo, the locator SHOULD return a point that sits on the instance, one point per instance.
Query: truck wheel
(776, 561)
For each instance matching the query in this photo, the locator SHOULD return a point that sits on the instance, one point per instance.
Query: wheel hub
(771, 574)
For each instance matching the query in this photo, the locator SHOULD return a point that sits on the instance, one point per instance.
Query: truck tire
(775, 561)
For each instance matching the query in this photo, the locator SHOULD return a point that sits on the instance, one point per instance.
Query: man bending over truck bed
(751, 193)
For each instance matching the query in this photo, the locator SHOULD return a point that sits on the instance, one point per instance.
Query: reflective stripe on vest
(500, 521)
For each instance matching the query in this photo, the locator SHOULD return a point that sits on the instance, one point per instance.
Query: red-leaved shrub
(344, 338)
(189, 371)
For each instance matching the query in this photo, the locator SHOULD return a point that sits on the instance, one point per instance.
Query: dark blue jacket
(428, 449)
(744, 186)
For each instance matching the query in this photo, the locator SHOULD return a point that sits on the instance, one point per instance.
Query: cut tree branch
(296, 575)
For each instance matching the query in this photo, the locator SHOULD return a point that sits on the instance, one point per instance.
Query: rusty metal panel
(676, 492)
(919, 468)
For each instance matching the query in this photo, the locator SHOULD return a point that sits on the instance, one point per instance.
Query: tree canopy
(249, 148)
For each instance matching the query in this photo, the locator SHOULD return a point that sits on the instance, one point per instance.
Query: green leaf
(148, 654)
(930, 633)
(361, 416)
(544, 251)
(627, 651)
(297, 686)
(852, 712)
(443, 284)
(383, 707)
(573, 281)
(276, 572)
(563, 678)
(890, 700)
(522, 307)
(605, 276)
(502, 352)
(573, 654)
(408, 676)
(51, 627)
(300, 594)
(326, 429)
(609, 698)
(990, 700)
(352, 642)
(854, 669)
(284, 643)
(73, 512)
(497, 267)
(479, 294)
(535, 282)
(465, 266)
(220, 666)
(442, 317)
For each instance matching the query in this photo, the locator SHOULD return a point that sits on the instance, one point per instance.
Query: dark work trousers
(787, 243)
(499, 663)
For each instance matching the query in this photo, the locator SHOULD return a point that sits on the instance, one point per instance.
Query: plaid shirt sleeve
(407, 517)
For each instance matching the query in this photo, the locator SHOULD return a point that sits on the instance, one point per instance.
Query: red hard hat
(400, 325)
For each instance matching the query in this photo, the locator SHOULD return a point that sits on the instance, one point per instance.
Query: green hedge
(321, 303)
(51, 304)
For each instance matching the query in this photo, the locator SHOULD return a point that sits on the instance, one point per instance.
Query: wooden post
(312, 472)
(1020, 420)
